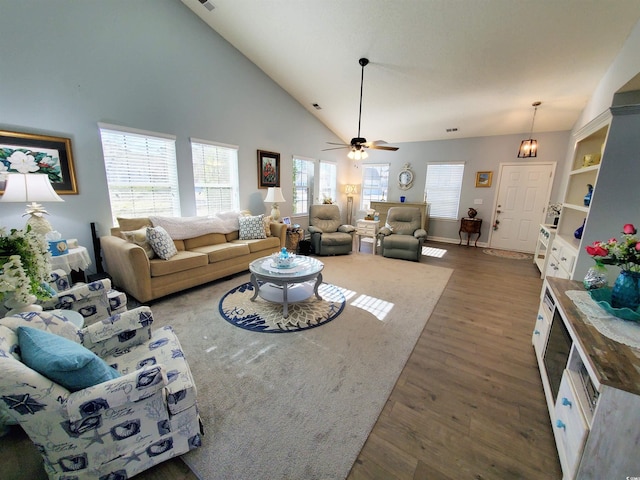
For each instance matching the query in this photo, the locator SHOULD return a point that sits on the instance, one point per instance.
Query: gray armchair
(402, 236)
(328, 235)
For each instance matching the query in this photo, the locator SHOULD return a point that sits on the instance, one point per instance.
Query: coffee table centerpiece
(285, 278)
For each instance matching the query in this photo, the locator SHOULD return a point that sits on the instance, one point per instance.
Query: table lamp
(31, 187)
(274, 194)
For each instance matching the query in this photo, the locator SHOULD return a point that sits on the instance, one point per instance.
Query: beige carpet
(301, 405)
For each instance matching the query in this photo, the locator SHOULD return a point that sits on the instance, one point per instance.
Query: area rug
(508, 254)
(259, 315)
(301, 405)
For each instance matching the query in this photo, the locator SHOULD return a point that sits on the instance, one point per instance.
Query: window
(303, 178)
(215, 177)
(328, 180)
(311, 176)
(375, 183)
(142, 175)
(443, 187)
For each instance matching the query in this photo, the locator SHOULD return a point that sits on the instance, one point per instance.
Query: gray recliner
(328, 235)
(402, 236)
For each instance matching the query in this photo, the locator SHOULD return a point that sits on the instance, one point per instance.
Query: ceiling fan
(358, 144)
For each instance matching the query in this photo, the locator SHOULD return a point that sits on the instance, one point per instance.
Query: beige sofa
(199, 260)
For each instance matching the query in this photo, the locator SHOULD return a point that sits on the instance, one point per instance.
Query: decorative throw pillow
(251, 228)
(64, 361)
(139, 237)
(267, 226)
(161, 242)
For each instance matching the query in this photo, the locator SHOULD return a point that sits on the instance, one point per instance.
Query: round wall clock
(405, 178)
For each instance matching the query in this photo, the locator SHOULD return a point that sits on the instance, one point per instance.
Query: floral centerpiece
(24, 266)
(624, 253)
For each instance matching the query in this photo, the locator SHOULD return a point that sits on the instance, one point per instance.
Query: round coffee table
(286, 285)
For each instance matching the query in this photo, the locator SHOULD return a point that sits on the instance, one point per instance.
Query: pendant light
(529, 147)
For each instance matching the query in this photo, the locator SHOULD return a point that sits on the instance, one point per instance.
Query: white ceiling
(475, 65)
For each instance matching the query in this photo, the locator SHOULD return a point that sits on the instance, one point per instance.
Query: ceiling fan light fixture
(529, 148)
(357, 154)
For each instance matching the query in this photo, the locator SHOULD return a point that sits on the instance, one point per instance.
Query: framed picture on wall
(483, 179)
(268, 169)
(30, 153)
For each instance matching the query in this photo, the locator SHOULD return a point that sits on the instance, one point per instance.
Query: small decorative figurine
(472, 212)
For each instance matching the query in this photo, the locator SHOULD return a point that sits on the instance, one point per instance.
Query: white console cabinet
(592, 387)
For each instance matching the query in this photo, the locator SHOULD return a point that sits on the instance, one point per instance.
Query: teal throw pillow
(64, 361)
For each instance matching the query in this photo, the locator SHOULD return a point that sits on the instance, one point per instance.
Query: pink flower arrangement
(624, 253)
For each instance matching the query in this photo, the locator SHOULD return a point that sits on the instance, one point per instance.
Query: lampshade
(350, 189)
(274, 194)
(34, 187)
(529, 147)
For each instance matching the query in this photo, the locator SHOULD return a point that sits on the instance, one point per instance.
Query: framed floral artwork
(483, 179)
(30, 153)
(268, 169)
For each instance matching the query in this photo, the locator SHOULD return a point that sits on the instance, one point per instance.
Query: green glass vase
(626, 290)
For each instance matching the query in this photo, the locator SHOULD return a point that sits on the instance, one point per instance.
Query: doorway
(522, 196)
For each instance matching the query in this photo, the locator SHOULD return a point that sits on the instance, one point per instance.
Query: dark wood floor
(469, 403)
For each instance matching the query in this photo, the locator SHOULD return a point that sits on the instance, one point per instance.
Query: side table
(368, 229)
(470, 226)
(77, 260)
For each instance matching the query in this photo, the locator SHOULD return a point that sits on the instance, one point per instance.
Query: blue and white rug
(260, 315)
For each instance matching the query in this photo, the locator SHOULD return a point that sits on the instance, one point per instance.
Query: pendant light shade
(529, 147)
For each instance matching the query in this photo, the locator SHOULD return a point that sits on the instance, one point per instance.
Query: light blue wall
(146, 64)
(478, 154)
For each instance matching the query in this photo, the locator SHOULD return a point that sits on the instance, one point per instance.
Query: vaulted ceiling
(471, 65)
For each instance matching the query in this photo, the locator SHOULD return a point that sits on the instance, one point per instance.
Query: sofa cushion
(259, 245)
(224, 251)
(184, 260)
(65, 362)
(204, 240)
(161, 242)
(251, 227)
(129, 224)
(139, 237)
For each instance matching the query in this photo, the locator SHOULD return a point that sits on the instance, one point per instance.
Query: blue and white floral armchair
(94, 301)
(114, 429)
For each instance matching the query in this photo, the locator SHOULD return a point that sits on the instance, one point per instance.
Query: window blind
(141, 170)
(375, 183)
(328, 180)
(303, 177)
(215, 177)
(443, 187)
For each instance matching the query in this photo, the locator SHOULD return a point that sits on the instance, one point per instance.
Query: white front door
(523, 195)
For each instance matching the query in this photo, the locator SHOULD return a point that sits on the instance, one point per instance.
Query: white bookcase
(615, 134)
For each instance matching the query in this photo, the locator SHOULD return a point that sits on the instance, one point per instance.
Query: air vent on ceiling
(316, 106)
(209, 6)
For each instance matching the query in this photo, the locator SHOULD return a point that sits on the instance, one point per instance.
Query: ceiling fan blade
(335, 148)
(334, 143)
(383, 147)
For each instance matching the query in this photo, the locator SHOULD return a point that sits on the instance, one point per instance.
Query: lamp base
(275, 213)
(39, 225)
